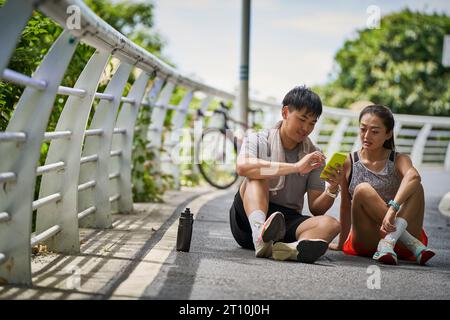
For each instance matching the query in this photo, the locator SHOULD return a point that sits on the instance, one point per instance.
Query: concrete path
(216, 268)
(137, 260)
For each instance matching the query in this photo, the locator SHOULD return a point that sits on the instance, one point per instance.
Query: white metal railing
(87, 171)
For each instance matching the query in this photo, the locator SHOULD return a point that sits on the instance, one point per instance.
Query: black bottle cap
(186, 212)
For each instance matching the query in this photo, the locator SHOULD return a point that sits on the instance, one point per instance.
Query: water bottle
(184, 234)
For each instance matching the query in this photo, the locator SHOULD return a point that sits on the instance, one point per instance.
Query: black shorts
(240, 226)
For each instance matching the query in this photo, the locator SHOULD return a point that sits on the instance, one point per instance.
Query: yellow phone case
(337, 158)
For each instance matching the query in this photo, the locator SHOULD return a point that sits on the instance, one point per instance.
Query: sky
(292, 42)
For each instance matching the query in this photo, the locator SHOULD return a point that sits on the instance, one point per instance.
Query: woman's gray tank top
(386, 182)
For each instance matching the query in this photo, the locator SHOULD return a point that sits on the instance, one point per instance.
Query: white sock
(256, 219)
(410, 242)
(400, 225)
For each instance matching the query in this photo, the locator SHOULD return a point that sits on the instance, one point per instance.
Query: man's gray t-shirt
(295, 185)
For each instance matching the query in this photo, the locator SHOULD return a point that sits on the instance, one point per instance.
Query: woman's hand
(388, 222)
(310, 162)
(334, 176)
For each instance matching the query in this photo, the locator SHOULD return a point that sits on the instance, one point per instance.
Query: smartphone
(337, 158)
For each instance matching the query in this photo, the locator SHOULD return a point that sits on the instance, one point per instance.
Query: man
(280, 166)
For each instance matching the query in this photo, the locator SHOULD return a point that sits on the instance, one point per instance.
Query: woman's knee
(363, 190)
(330, 223)
(420, 191)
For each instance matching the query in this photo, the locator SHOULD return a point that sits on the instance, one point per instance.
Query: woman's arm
(410, 182)
(345, 209)
(410, 178)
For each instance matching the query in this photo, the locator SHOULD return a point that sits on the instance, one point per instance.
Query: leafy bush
(398, 65)
(134, 20)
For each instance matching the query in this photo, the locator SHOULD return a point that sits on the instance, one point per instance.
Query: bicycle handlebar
(223, 110)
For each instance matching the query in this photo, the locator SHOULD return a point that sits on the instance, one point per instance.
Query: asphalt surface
(217, 268)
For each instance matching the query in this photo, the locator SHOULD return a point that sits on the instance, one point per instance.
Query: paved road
(137, 260)
(217, 268)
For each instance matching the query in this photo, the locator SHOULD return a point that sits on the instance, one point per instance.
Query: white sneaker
(273, 229)
(385, 253)
(423, 254)
(306, 251)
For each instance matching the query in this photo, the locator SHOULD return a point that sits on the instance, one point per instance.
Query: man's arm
(319, 201)
(255, 168)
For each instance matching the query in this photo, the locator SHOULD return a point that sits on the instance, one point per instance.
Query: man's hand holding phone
(333, 172)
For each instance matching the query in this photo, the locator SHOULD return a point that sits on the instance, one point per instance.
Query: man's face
(299, 124)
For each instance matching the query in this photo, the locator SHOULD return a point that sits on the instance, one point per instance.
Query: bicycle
(217, 150)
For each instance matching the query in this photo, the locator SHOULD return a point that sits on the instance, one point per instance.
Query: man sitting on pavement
(280, 165)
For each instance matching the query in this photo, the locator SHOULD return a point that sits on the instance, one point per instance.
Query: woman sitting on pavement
(382, 204)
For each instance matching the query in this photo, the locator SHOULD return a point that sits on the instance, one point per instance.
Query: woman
(382, 204)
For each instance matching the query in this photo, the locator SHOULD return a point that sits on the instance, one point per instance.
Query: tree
(134, 20)
(398, 65)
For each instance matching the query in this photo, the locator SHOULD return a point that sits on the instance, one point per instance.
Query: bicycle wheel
(216, 158)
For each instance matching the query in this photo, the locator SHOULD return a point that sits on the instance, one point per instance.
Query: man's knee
(259, 183)
(255, 185)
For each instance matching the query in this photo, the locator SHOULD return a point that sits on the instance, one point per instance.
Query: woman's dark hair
(302, 97)
(386, 117)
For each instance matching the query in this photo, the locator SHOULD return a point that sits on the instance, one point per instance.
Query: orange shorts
(402, 253)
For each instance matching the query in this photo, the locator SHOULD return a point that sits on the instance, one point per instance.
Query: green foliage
(33, 45)
(134, 20)
(398, 65)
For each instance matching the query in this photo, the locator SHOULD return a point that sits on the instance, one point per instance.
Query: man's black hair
(302, 97)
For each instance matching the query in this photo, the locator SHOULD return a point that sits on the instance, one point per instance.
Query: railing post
(357, 142)
(397, 128)
(104, 119)
(157, 123)
(124, 143)
(143, 129)
(334, 144)
(447, 159)
(159, 114)
(16, 198)
(419, 145)
(13, 17)
(73, 118)
(171, 165)
(197, 132)
(315, 133)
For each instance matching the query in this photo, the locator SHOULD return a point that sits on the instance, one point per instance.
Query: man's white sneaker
(306, 251)
(273, 229)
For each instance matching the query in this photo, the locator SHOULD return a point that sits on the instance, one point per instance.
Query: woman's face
(372, 132)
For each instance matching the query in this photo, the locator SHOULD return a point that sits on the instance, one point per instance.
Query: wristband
(332, 195)
(394, 205)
